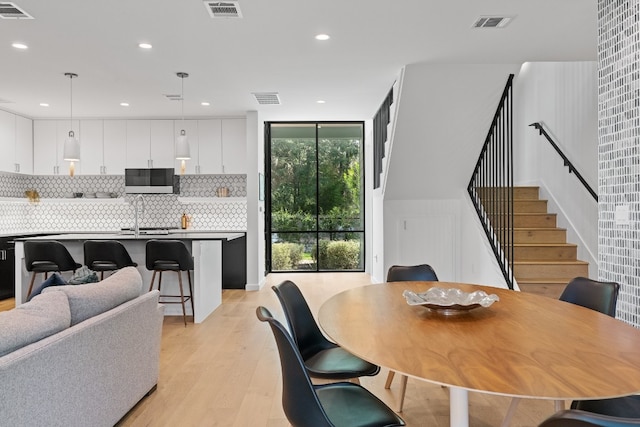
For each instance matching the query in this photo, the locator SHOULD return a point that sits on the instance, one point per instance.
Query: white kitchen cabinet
(91, 148)
(114, 145)
(210, 146)
(64, 126)
(138, 135)
(205, 146)
(150, 144)
(7, 141)
(24, 145)
(191, 127)
(234, 146)
(48, 146)
(162, 147)
(102, 146)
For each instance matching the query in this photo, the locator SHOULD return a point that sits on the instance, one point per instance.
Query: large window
(315, 196)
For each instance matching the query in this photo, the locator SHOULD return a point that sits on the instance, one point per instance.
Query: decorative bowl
(450, 301)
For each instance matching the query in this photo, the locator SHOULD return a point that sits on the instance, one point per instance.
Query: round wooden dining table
(524, 345)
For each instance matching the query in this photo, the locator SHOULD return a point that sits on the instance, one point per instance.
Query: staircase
(543, 261)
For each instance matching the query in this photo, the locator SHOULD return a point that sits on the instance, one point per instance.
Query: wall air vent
(11, 11)
(171, 97)
(492, 21)
(267, 98)
(223, 9)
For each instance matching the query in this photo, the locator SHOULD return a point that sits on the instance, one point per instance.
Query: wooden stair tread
(542, 245)
(535, 228)
(576, 262)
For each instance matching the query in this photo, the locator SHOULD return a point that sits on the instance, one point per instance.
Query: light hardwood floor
(225, 371)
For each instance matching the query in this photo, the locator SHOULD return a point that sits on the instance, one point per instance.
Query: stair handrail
(567, 162)
(494, 172)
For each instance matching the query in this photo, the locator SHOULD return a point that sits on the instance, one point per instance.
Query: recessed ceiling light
(322, 37)
(124, 104)
(20, 46)
(145, 46)
(205, 104)
(320, 101)
(44, 104)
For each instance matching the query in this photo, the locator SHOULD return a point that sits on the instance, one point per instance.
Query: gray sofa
(94, 352)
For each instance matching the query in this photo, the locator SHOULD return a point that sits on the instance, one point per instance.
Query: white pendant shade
(71, 148)
(182, 147)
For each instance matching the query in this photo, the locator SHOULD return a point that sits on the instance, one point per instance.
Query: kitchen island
(205, 247)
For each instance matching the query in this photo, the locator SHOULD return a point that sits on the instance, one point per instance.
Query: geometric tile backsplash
(619, 152)
(59, 211)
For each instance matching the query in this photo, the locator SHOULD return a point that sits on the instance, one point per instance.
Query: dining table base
(458, 407)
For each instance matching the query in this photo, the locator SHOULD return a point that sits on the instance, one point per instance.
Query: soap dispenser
(184, 221)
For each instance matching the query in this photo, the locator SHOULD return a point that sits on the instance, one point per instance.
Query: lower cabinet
(234, 263)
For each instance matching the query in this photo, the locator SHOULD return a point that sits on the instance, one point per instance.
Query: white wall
(563, 96)
(443, 115)
(255, 208)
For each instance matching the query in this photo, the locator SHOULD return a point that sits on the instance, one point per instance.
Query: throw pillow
(45, 315)
(54, 280)
(86, 301)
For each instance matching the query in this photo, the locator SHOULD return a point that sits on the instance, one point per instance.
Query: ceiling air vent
(11, 11)
(223, 9)
(492, 21)
(267, 98)
(171, 97)
(5, 101)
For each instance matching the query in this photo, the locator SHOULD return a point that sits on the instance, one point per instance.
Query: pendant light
(71, 144)
(182, 143)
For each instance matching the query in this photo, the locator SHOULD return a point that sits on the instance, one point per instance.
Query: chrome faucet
(139, 199)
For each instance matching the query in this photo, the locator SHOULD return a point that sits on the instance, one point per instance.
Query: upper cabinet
(150, 144)
(234, 146)
(16, 142)
(218, 146)
(48, 146)
(24, 145)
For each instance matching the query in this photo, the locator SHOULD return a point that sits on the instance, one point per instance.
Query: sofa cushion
(39, 318)
(86, 301)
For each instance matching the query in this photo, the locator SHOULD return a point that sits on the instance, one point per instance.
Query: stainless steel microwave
(150, 181)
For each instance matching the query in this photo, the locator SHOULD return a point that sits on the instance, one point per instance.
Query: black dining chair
(407, 273)
(106, 255)
(341, 404)
(588, 293)
(323, 358)
(577, 418)
(47, 256)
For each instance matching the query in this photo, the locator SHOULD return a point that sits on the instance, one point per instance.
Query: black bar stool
(170, 255)
(47, 256)
(106, 255)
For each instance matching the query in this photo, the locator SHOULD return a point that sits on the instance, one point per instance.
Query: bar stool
(106, 255)
(170, 255)
(47, 256)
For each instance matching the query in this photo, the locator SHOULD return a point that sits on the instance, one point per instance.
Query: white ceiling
(271, 49)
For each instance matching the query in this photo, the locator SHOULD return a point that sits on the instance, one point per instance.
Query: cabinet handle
(17, 167)
(197, 168)
(3, 255)
(150, 163)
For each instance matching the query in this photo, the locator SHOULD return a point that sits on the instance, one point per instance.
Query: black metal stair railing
(491, 185)
(567, 162)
